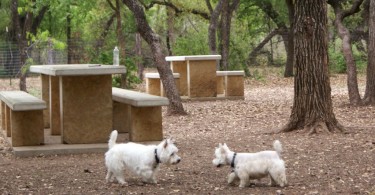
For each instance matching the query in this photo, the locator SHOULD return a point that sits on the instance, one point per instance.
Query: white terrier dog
(142, 160)
(247, 166)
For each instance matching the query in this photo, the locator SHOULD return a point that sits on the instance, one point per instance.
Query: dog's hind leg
(120, 178)
(109, 177)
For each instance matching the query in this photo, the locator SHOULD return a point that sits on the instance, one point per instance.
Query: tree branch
(175, 8)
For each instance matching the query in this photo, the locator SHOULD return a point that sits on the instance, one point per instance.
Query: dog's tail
(277, 146)
(112, 139)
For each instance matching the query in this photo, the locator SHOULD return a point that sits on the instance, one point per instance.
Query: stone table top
(193, 57)
(77, 69)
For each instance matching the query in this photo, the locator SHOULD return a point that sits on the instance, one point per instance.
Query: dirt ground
(319, 164)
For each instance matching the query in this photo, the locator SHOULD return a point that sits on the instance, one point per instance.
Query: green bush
(336, 60)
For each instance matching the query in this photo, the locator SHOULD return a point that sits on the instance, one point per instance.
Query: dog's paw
(122, 182)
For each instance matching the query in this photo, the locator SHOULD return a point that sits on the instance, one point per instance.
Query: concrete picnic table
(197, 74)
(79, 99)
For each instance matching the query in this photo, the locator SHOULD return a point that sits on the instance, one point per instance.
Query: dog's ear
(165, 143)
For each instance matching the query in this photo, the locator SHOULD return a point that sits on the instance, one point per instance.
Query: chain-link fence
(38, 53)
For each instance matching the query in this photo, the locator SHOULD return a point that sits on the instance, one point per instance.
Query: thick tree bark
(70, 41)
(290, 50)
(225, 33)
(175, 105)
(343, 32)
(228, 7)
(138, 52)
(212, 27)
(369, 97)
(312, 107)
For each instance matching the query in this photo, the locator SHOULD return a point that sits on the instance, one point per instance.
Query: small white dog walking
(247, 166)
(142, 160)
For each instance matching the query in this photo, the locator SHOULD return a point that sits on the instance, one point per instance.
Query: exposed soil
(319, 164)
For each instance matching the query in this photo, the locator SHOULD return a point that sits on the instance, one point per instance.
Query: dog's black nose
(179, 160)
(219, 165)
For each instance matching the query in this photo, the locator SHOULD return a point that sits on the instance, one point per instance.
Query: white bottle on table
(116, 58)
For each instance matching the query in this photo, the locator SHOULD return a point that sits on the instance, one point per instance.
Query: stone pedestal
(153, 84)
(3, 108)
(27, 128)
(45, 97)
(86, 108)
(181, 68)
(220, 84)
(197, 74)
(234, 85)
(55, 117)
(121, 117)
(202, 78)
(146, 124)
(8, 124)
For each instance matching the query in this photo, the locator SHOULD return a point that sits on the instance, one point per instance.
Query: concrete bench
(138, 114)
(230, 83)
(154, 86)
(22, 116)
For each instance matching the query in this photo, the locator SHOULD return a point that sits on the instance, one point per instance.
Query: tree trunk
(138, 53)
(369, 97)
(170, 31)
(212, 28)
(225, 33)
(227, 10)
(175, 105)
(69, 36)
(290, 46)
(343, 32)
(312, 106)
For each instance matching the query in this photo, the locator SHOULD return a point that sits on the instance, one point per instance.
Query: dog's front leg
(244, 180)
(148, 176)
(231, 177)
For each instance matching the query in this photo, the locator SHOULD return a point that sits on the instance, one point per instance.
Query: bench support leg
(3, 108)
(121, 117)
(7, 121)
(27, 128)
(234, 86)
(146, 124)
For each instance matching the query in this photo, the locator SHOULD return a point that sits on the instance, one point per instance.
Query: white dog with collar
(247, 166)
(142, 160)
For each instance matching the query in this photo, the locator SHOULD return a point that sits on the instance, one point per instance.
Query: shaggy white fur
(142, 160)
(247, 166)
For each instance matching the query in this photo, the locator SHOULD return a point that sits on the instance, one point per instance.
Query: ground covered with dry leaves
(318, 164)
